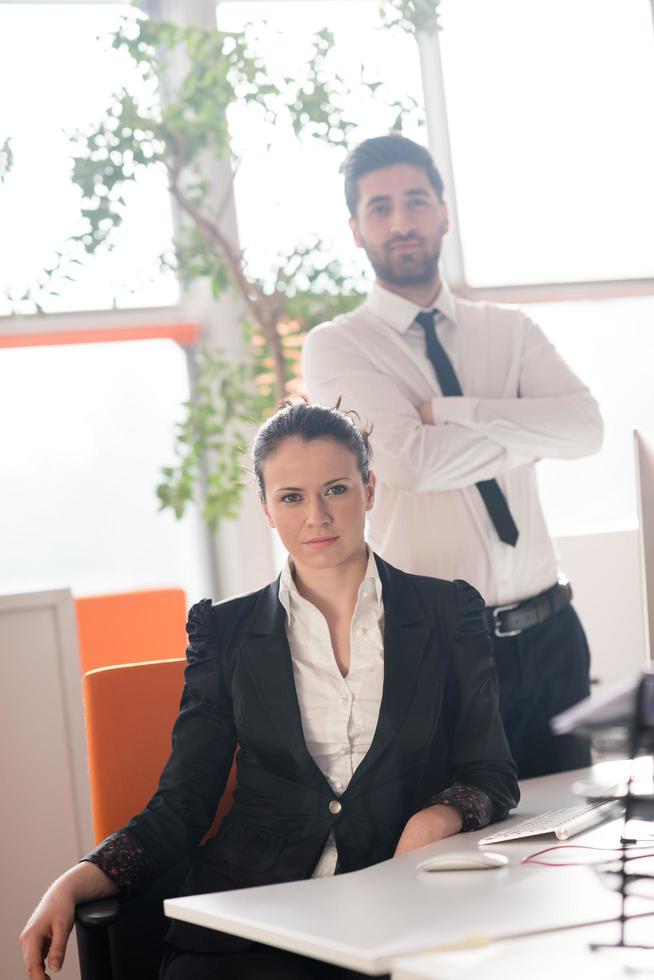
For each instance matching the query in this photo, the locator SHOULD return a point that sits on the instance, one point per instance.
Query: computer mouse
(464, 861)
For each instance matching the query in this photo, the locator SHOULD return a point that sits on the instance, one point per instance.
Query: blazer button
(335, 807)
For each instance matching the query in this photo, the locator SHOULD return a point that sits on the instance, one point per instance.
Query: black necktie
(494, 499)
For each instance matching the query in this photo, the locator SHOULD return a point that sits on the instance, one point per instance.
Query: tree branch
(264, 310)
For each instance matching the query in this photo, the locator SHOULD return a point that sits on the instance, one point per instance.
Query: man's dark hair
(385, 151)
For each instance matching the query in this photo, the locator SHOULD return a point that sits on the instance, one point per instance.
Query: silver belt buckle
(496, 624)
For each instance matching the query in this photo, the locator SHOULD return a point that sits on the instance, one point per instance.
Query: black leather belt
(518, 616)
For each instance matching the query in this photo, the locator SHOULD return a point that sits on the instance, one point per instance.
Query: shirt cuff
(124, 862)
(475, 805)
(455, 408)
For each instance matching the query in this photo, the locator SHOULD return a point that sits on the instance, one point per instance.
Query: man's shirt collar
(399, 313)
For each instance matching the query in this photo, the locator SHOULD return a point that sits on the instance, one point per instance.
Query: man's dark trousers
(542, 671)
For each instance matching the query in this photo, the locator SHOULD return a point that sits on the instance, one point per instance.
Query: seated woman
(363, 702)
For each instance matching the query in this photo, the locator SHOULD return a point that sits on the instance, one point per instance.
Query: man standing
(464, 398)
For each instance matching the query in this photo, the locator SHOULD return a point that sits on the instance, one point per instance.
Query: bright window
(550, 109)
(57, 73)
(91, 426)
(610, 345)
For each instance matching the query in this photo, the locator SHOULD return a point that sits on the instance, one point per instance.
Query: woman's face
(317, 501)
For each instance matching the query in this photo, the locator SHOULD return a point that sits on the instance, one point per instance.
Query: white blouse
(339, 714)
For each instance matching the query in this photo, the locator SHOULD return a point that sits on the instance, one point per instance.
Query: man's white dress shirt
(521, 402)
(339, 714)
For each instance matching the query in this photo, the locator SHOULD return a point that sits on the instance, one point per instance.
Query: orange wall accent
(185, 334)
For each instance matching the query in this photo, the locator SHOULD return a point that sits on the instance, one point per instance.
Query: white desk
(368, 919)
(563, 956)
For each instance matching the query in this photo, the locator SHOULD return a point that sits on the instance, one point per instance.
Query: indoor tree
(178, 129)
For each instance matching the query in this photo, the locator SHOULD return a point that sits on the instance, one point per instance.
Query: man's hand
(426, 413)
(428, 826)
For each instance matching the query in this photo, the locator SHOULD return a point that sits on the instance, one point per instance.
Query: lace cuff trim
(123, 860)
(475, 805)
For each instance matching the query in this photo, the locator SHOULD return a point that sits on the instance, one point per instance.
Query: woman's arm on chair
(48, 928)
(172, 823)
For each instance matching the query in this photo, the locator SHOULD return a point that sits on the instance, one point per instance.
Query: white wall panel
(604, 570)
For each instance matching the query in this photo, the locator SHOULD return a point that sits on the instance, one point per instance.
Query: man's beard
(417, 268)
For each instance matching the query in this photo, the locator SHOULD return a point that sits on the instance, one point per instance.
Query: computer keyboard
(563, 823)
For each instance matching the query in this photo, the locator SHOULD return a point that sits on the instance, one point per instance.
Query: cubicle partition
(45, 821)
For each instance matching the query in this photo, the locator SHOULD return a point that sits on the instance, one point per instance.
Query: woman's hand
(49, 926)
(428, 826)
(47, 932)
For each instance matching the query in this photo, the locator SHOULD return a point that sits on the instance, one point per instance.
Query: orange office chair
(131, 627)
(129, 711)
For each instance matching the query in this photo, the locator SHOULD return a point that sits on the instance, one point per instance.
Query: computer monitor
(644, 449)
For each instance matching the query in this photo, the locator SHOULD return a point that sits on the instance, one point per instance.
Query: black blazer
(438, 724)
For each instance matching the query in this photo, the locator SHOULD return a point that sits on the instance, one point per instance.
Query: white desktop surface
(367, 919)
(563, 956)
